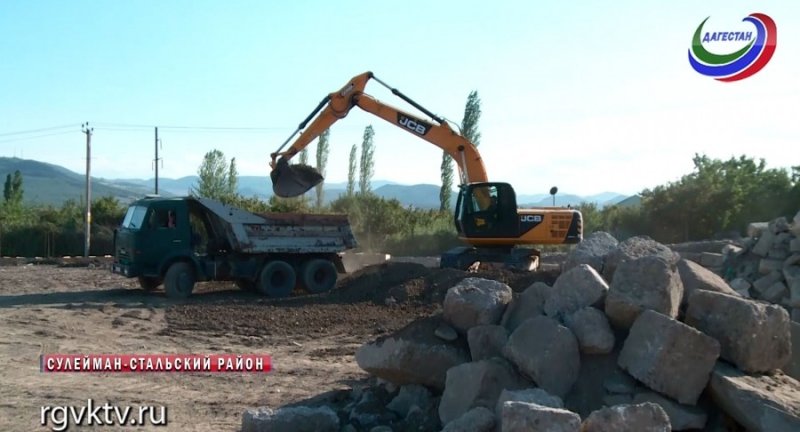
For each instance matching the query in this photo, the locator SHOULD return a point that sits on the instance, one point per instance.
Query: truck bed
(295, 233)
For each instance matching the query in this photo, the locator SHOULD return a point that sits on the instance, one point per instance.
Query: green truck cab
(181, 241)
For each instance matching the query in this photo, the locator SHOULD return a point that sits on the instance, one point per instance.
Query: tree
(216, 179)
(233, 179)
(447, 182)
(469, 129)
(472, 114)
(322, 162)
(12, 189)
(367, 167)
(303, 160)
(351, 171)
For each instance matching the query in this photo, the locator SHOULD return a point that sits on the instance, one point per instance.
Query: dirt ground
(312, 339)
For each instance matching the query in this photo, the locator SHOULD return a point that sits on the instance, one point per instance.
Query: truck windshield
(134, 217)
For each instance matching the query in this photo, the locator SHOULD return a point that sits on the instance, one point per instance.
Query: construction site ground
(312, 339)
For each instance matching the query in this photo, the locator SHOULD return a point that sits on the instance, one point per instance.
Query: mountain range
(50, 184)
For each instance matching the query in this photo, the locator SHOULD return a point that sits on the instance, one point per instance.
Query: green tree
(472, 115)
(592, 218)
(107, 211)
(303, 159)
(351, 171)
(216, 181)
(367, 166)
(12, 189)
(445, 192)
(233, 179)
(322, 162)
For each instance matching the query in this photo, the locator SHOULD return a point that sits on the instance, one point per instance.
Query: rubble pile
(766, 264)
(630, 337)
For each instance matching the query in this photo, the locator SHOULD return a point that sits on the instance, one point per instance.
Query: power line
(29, 131)
(221, 128)
(35, 137)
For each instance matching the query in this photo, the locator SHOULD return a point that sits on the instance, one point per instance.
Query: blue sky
(586, 96)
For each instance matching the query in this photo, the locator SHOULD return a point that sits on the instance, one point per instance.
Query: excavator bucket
(293, 180)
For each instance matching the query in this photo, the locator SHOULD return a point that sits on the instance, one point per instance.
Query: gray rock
(644, 417)
(794, 245)
(791, 268)
(620, 382)
(769, 265)
(740, 285)
(476, 384)
(446, 333)
(290, 419)
(775, 292)
(486, 341)
(381, 429)
(754, 336)
(761, 284)
(409, 396)
(592, 251)
(419, 419)
(587, 393)
(644, 283)
(669, 356)
(476, 301)
(592, 330)
(755, 229)
(681, 417)
(793, 368)
(348, 428)
(764, 243)
(759, 403)
(530, 395)
(779, 225)
(708, 259)
(695, 277)
(412, 355)
(794, 294)
(576, 289)
(525, 417)
(526, 305)
(478, 419)
(633, 248)
(615, 399)
(547, 352)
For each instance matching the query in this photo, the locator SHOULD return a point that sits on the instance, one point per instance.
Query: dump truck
(180, 241)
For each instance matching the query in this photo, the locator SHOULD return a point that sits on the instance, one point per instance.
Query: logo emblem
(740, 64)
(415, 125)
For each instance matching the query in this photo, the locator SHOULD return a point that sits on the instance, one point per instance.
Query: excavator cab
(487, 210)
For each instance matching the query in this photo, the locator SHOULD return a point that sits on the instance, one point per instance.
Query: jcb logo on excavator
(530, 218)
(415, 125)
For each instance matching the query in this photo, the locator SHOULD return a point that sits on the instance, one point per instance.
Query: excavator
(486, 215)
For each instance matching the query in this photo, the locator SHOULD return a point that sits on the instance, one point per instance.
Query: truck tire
(148, 283)
(246, 285)
(277, 279)
(179, 280)
(318, 275)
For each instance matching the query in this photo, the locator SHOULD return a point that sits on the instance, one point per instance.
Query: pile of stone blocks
(630, 337)
(766, 265)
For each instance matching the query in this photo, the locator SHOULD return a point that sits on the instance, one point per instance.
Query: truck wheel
(277, 279)
(245, 285)
(179, 280)
(319, 275)
(149, 283)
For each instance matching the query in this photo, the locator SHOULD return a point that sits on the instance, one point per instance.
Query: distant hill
(51, 184)
(45, 183)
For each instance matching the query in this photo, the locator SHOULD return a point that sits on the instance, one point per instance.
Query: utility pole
(87, 235)
(156, 159)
